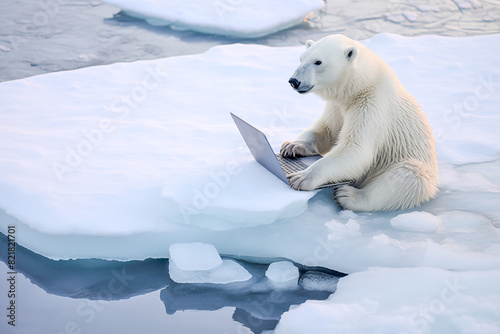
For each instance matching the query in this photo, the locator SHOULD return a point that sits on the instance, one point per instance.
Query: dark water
(97, 296)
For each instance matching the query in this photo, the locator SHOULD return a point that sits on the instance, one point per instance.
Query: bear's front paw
(346, 197)
(297, 149)
(302, 180)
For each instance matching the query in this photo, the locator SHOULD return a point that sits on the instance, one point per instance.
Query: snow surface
(236, 18)
(404, 301)
(228, 271)
(98, 159)
(85, 158)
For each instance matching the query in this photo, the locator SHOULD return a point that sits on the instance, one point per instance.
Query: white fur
(371, 132)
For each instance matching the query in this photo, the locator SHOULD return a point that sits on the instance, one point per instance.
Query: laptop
(263, 153)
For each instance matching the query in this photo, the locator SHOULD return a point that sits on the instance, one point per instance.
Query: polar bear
(371, 131)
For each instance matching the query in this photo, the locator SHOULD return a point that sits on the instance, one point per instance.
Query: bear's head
(323, 63)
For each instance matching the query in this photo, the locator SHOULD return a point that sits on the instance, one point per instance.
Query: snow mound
(399, 300)
(416, 221)
(236, 18)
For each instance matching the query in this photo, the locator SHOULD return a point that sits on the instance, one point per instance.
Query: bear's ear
(309, 43)
(351, 53)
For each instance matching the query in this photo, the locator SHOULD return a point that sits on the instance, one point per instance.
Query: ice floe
(201, 263)
(403, 300)
(283, 275)
(237, 18)
(95, 159)
(194, 256)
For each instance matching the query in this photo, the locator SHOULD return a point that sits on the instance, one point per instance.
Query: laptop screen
(260, 148)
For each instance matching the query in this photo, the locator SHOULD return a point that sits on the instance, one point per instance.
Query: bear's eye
(318, 62)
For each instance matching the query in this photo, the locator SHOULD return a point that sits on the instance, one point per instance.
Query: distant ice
(237, 18)
(467, 4)
(411, 16)
(395, 18)
(427, 8)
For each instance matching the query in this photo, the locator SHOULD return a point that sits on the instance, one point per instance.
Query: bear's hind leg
(402, 186)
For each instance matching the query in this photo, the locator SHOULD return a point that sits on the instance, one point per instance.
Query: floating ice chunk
(418, 221)
(237, 18)
(283, 275)
(201, 263)
(318, 281)
(228, 272)
(194, 256)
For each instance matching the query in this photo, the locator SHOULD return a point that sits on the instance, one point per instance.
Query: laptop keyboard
(291, 165)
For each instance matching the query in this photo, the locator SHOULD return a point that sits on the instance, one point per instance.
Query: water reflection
(258, 306)
(90, 279)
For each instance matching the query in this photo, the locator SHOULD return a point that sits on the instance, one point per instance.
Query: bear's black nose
(294, 83)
